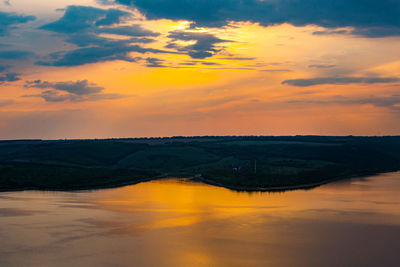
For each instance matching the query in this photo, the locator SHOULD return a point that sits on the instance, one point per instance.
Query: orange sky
(239, 90)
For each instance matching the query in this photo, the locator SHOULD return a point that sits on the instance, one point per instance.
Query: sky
(150, 68)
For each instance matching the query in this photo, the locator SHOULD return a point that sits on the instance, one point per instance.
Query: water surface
(176, 222)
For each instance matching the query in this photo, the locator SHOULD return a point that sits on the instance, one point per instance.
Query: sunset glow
(98, 69)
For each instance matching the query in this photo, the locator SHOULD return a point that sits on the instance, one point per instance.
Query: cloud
(87, 55)
(369, 32)
(277, 70)
(105, 2)
(141, 40)
(203, 47)
(339, 80)
(132, 30)
(83, 27)
(391, 102)
(8, 20)
(85, 21)
(377, 32)
(199, 62)
(79, 87)
(155, 62)
(15, 54)
(91, 40)
(79, 18)
(52, 96)
(321, 66)
(8, 102)
(238, 58)
(331, 32)
(74, 91)
(9, 77)
(360, 14)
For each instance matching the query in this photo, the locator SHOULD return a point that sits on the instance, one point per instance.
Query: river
(177, 222)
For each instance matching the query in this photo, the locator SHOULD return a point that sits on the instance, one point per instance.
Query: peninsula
(264, 163)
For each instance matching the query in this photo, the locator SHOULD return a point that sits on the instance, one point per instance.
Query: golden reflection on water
(176, 222)
(191, 202)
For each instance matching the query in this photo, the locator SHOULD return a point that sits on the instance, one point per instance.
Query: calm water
(180, 223)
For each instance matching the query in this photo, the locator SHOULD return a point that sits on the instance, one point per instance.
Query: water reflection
(182, 223)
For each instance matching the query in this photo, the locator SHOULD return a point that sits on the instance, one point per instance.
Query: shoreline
(83, 188)
(202, 180)
(290, 187)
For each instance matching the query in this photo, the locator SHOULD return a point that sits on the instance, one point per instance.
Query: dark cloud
(132, 30)
(203, 47)
(90, 40)
(377, 32)
(80, 18)
(85, 39)
(321, 66)
(84, 20)
(207, 63)
(141, 40)
(6, 77)
(207, 13)
(83, 27)
(77, 91)
(9, 20)
(360, 14)
(112, 16)
(15, 54)
(155, 62)
(53, 96)
(78, 88)
(9, 77)
(87, 55)
(339, 80)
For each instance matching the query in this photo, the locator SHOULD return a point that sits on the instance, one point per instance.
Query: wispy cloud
(6, 102)
(74, 91)
(321, 66)
(391, 102)
(340, 81)
(204, 46)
